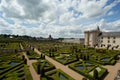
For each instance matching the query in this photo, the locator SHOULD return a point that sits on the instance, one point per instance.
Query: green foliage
(86, 71)
(43, 64)
(32, 55)
(27, 73)
(56, 76)
(95, 73)
(84, 79)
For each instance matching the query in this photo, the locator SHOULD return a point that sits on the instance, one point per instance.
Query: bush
(95, 74)
(86, 73)
(48, 68)
(57, 73)
(27, 73)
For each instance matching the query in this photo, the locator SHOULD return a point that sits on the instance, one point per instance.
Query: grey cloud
(76, 31)
(6, 31)
(33, 9)
(11, 12)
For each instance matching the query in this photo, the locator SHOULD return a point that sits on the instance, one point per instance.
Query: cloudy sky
(60, 18)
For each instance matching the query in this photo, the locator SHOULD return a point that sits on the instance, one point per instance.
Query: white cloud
(94, 8)
(23, 9)
(110, 13)
(56, 17)
(104, 26)
(3, 23)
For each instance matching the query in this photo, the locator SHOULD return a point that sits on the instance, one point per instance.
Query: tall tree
(95, 74)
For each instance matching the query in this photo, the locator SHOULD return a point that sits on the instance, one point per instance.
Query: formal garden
(13, 67)
(86, 61)
(48, 71)
(32, 55)
(87, 68)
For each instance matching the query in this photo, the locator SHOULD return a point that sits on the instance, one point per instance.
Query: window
(101, 40)
(108, 41)
(108, 37)
(114, 41)
(113, 37)
(101, 37)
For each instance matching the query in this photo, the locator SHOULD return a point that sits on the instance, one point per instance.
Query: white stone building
(96, 38)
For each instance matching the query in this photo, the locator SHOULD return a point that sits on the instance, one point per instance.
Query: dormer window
(113, 37)
(114, 41)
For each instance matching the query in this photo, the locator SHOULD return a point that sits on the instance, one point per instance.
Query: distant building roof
(111, 34)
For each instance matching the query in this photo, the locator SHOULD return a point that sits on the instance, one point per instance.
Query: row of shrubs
(27, 73)
(66, 61)
(48, 68)
(87, 75)
(57, 73)
(11, 69)
(7, 69)
(111, 61)
(32, 55)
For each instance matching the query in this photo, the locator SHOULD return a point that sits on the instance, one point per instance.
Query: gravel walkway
(112, 71)
(35, 76)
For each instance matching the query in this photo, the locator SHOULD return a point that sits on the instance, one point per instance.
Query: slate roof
(110, 34)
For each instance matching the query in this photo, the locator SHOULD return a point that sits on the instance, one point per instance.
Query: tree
(28, 53)
(84, 57)
(87, 57)
(81, 56)
(50, 54)
(42, 71)
(16, 50)
(53, 55)
(95, 74)
(84, 78)
(38, 68)
(23, 57)
(43, 57)
(25, 61)
(77, 57)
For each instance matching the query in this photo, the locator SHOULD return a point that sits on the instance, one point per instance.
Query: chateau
(108, 40)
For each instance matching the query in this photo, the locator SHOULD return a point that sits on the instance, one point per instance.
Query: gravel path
(112, 71)
(35, 76)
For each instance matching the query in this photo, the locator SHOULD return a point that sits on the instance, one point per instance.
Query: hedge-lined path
(112, 70)
(35, 76)
(67, 70)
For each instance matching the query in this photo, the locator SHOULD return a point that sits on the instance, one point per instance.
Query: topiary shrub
(84, 78)
(38, 68)
(25, 61)
(95, 74)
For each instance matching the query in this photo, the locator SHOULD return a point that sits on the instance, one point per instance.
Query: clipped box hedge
(57, 72)
(50, 67)
(86, 74)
